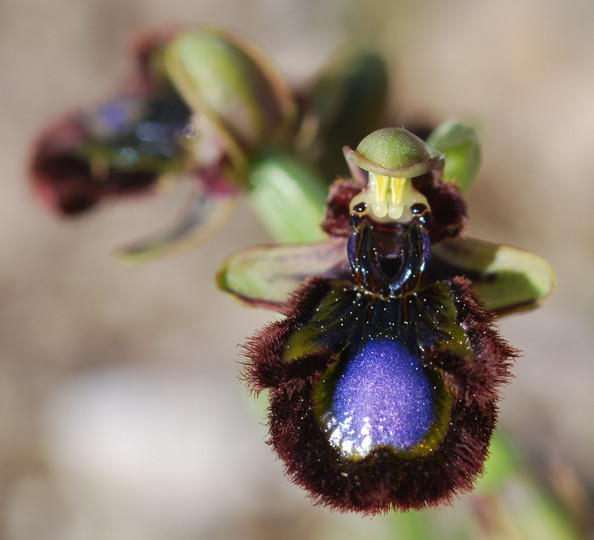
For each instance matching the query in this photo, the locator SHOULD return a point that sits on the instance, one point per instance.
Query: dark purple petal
(338, 214)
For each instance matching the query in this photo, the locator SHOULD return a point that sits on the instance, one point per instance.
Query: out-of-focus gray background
(121, 412)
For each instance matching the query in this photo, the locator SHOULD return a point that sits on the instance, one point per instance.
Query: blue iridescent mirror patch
(382, 397)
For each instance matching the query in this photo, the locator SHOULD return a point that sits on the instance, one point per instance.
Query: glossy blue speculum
(382, 397)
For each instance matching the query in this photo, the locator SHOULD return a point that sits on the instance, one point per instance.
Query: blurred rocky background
(121, 413)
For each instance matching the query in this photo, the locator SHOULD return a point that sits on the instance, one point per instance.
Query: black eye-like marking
(360, 208)
(422, 214)
(418, 209)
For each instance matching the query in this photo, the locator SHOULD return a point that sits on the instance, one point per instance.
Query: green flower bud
(460, 145)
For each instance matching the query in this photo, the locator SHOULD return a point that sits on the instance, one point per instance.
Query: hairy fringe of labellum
(265, 368)
(383, 479)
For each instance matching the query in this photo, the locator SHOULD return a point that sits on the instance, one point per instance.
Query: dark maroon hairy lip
(382, 480)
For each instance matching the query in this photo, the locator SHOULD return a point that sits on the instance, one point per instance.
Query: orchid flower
(384, 375)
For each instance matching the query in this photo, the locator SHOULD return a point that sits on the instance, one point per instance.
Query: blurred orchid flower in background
(207, 107)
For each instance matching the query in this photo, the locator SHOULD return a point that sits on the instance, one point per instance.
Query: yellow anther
(398, 186)
(384, 182)
(378, 189)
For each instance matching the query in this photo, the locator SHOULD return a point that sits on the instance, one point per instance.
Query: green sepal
(393, 152)
(287, 196)
(505, 278)
(265, 276)
(460, 145)
(226, 79)
(347, 101)
(203, 214)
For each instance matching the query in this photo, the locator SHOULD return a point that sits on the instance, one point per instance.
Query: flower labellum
(384, 380)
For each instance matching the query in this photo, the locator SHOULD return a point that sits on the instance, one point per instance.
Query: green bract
(394, 152)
